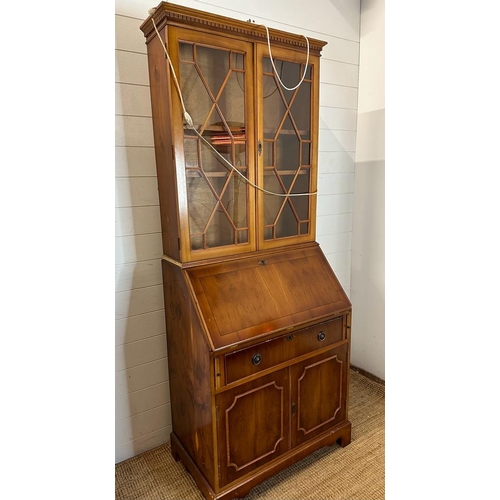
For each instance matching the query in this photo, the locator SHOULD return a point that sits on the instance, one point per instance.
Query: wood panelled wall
(142, 395)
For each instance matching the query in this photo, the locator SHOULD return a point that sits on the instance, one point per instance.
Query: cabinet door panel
(319, 394)
(215, 76)
(253, 423)
(288, 136)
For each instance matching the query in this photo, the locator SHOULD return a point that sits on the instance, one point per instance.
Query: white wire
(274, 67)
(246, 178)
(189, 123)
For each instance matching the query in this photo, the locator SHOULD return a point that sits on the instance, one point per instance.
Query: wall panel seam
(338, 85)
(325, 106)
(142, 364)
(141, 412)
(133, 84)
(142, 340)
(134, 315)
(337, 129)
(145, 411)
(134, 177)
(133, 116)
(147, 434)
(141, 314)
(131, 17)
(137, 206)
(150, 260)
(331, 151)
(130, 52)
(136, 261)
(144, 389)
(337, 61)
(137, 288)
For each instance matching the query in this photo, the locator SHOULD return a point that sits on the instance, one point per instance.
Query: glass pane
(289, 74)
(234, 201)
(287, 223)
(268, 153)
(186, 51)
(196, 241)
(287, 149)
(272, 204)
(201, 202)
(306, 153)
(301, 110)
(220, 232)
(266, 65)
(191, 152)
(301, 203)
(242, 236)
(219, 136)
(274, 109)
(232, 101)
(196, 98)
(210, 162)
(213, 65)
(301, 206)
(238, 61)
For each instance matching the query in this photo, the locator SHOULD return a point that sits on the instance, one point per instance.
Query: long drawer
(262, 356)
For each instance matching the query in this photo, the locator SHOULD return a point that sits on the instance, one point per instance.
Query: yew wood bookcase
(258, 326)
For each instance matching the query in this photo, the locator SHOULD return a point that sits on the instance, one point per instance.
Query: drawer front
(262, 356)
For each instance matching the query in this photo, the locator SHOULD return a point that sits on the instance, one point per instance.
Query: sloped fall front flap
(254, 296)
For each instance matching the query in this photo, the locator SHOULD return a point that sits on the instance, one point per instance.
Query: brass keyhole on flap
(262, 262)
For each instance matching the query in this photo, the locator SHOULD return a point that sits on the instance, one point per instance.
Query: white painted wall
(368, 262)
(142, 399)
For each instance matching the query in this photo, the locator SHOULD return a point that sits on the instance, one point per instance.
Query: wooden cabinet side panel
(159, 74)
(189, 374)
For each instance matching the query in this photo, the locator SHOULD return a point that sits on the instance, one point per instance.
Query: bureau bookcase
(258, 326)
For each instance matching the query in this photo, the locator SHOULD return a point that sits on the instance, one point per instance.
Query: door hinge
(179, 243)
(294, 408)
(173, 152)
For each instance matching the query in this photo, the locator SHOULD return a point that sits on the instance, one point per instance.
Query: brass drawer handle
(256, 359)
(321, 336)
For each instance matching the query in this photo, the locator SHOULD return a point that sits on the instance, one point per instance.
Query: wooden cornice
(175, 15)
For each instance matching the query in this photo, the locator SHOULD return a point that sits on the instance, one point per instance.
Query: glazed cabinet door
(253, 424)
(287, 146)
(319, 394)
(216, 205)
